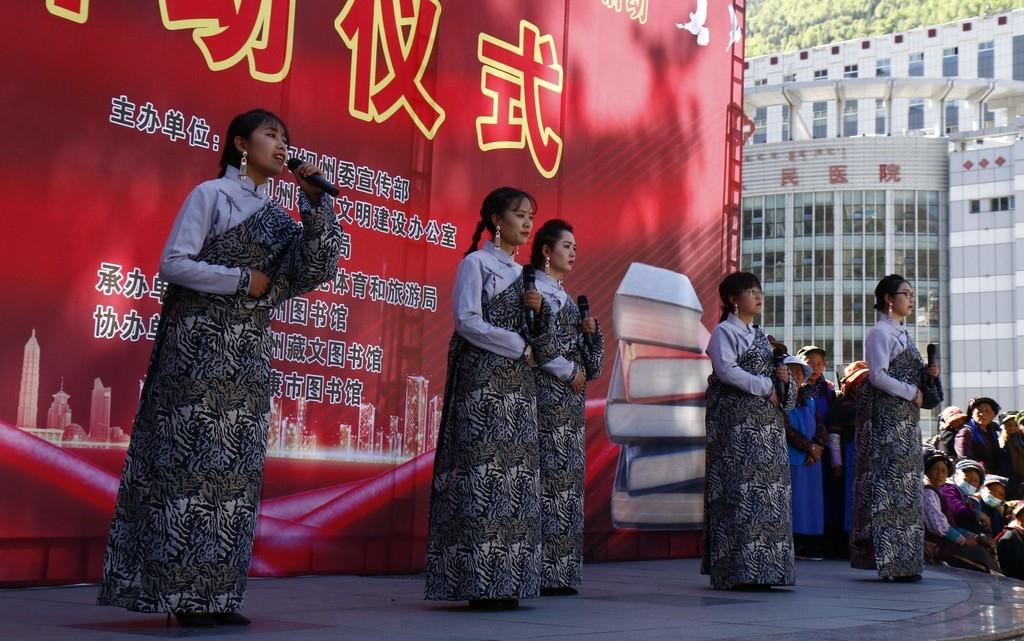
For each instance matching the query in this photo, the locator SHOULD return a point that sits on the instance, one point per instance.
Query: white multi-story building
(851, 174)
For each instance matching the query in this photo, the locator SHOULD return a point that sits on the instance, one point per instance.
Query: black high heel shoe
(230, 618)
(195, 620)
(487, 605)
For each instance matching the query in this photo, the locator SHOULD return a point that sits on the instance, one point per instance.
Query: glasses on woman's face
(909, 294)
(754, 292)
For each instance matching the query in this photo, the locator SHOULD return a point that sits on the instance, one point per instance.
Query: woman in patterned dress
(888, 527)
(484, 535)
(183, 526)
(561, 394)
(748, 533)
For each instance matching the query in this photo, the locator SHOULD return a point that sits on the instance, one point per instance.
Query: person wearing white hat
(805, 440)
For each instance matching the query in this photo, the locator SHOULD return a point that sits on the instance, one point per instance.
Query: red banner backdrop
(618, 115)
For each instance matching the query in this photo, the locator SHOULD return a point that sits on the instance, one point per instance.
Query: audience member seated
(1011, 542)
(946, 542)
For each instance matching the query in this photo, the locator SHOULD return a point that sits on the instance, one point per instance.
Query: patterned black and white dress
(888, 523)
(484, 534)
(185, 518)
(562, 443)
(748, 532)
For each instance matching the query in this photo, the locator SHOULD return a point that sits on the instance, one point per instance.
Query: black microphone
(529, 283)
(584, 305)
(318, 180)
(781, 389)
(932, 349)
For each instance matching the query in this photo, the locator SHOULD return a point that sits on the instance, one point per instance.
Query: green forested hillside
(775, 26)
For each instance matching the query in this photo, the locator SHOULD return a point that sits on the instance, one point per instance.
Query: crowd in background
(973, 483)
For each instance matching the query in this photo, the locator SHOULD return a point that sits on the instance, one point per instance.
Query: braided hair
(496, 204)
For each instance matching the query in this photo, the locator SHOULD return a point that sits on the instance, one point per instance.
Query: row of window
(915, 64)
(863, 212)
(986, 205)
(850, 125)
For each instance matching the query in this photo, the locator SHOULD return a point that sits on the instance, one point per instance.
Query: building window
(915, 115)
(975, 206)
(821, 74)
(760, 82)
(883, 68)
(820, 110)
(774, 310)
(789, 77)
(760, 126)
(753, 219)
(787, 134)
(951, 62)
(864, 212)
(1018, 57)
(915, 66)
(850, 71)
(952, 117)
(1003, 203)
(813, 214)
(986, 59)
(850, 119)
(775, 216)
(988, 117)
(880, 116)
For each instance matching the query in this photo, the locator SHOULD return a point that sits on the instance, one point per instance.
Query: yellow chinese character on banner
(637, 10)
(228, 31)
(613, 4)
(391, 43)
(73, 10)
(513, 77)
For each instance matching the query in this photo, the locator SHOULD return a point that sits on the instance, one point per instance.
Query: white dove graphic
(735, 33)
(696, 23)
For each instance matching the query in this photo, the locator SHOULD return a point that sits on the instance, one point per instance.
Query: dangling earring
(547, 265)
(735, 308)
(242, 166)
(890, 309)
(497, 236)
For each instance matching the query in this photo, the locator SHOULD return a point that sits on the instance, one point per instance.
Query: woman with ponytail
(561, 392)
(484, 536)
(183, 526)
(748, 531)
(888, 524)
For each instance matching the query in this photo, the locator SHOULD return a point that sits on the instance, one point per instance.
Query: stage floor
(652, 600)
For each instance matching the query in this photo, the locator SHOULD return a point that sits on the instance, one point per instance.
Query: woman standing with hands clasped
(748, 532)
(561, 387)
(888, 530)
(484, 536)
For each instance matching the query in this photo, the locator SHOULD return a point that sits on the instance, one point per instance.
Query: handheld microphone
(584, 305)
(932, 349)
(318, 180)
(529, 283)
(781, 389)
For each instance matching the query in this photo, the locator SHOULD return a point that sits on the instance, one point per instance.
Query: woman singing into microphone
(888, 523)
(484, 537)
(748, 531)
(561, 387)
(183, 525)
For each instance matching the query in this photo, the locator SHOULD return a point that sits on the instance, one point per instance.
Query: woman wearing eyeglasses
(888, 530)
(748, 531)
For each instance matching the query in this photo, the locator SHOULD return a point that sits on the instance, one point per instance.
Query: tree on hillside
(775, 26)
